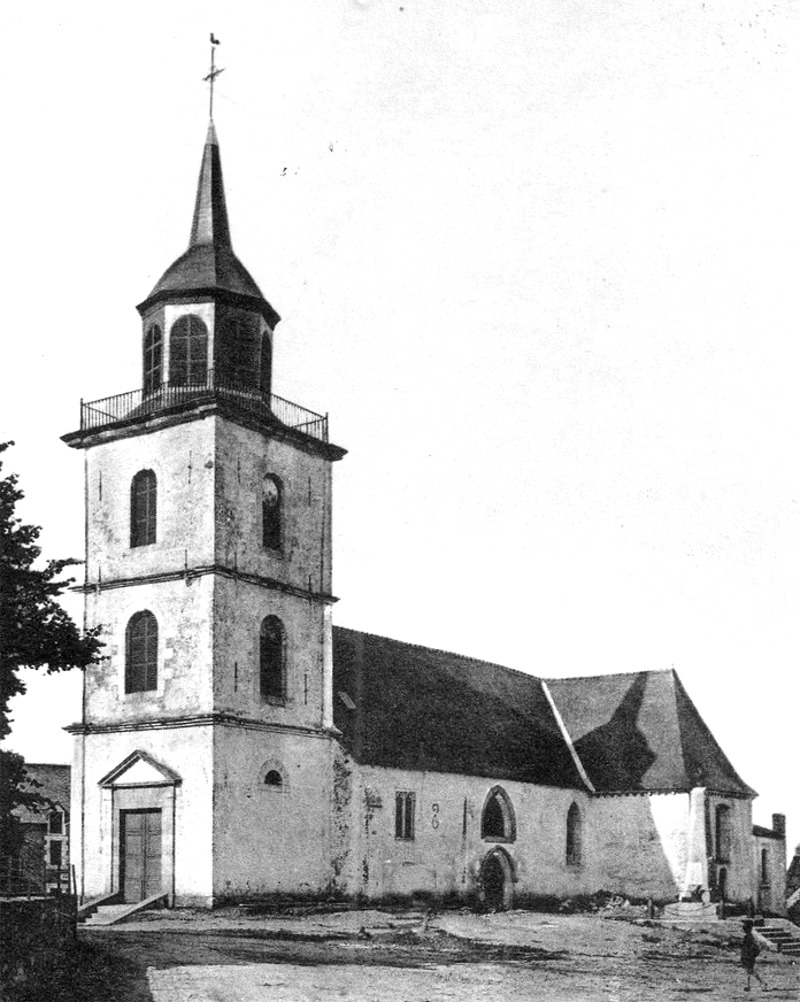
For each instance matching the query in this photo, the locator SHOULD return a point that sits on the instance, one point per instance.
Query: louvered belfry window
(188, 352)
(238, 360)
(143, 508)
(141, 653)
(271, 513)
(153, 355)
(272, 650)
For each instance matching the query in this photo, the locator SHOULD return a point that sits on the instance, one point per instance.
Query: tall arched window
(764, 866)
(723, 833)
(498, 823)
(574, 836)
(272, 650)
(188, 352)
(153, 352)
(271, 513)
(141, 653)
(237, 353)
(143, 508)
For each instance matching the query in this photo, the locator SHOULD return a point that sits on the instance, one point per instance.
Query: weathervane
(212, 76)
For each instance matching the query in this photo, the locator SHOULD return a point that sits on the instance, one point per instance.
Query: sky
(537, 261)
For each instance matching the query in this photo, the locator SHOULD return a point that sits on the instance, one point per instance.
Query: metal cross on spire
(212, 76)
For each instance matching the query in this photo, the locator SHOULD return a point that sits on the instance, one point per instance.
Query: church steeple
(209, 269)
(210, 223)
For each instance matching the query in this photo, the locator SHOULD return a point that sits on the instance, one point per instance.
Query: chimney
(779, 824)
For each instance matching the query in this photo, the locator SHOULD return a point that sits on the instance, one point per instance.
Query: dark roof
(641, 732)
(209, 265)
(409, 707)
(55, 785)
(760, 832)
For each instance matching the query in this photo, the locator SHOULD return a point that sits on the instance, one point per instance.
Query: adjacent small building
(43, 862)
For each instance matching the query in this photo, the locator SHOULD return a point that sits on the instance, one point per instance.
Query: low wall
(38, 934)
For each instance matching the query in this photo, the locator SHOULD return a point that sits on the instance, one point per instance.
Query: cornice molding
(190, 573)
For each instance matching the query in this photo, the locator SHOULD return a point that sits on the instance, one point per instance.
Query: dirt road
(457, 957)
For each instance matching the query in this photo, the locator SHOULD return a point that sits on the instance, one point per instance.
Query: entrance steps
(783, 935)
(112, 914)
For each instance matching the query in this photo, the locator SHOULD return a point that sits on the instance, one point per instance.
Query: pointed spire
(209, 266)
(210, 222)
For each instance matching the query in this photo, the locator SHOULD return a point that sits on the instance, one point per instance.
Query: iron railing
(28, 875)
(168, 396)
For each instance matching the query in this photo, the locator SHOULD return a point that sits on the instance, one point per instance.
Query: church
(235, 744)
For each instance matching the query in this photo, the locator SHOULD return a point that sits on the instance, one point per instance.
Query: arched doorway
(722, 883)
(496, 881)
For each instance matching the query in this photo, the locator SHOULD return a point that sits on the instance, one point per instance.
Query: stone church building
(235, 743)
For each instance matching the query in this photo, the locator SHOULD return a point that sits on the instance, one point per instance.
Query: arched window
(266, 362)
(237, 353)
(498, 823)
(153, 351)
(723, 833)
(764, 866)
(574, 836)
(188, 352)
(273, 660)
(143, 508)
(271, 513)
(141, 653)
(273, 777)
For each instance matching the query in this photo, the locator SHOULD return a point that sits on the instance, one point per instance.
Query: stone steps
(785, 937)
(105, 915)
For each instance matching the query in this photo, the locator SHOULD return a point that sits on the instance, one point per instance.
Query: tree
(17, 789)
(35, 632)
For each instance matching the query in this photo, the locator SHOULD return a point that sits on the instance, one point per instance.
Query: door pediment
(140, 769)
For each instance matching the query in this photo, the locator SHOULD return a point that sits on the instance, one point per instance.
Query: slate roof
(209, 265)
(55, 780)
(417, 708)
(407, 707)
(641, 732)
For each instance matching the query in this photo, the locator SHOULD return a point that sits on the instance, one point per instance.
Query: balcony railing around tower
(169, 396)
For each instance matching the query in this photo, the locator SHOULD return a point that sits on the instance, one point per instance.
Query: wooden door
(140, 846)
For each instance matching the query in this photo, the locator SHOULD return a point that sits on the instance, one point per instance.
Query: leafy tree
(17, 789)
(35, 631)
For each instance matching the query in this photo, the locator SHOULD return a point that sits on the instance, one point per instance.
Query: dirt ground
(456, 956)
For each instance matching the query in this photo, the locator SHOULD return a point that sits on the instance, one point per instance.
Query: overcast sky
(538, 261)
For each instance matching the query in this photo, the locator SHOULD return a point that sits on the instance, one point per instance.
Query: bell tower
(202, 760)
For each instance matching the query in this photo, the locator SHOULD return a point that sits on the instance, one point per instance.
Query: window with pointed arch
(152, 359)
(141, 653)
(272, 513)
(574, 836)
(498, 823)
(144, 502)
(188, 351)
(272, 651)
(722, 833)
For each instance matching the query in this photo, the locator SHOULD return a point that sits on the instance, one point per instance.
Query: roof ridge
(441, 650)
(609, 674)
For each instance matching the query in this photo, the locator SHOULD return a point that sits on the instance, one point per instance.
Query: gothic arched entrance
(497, 880)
